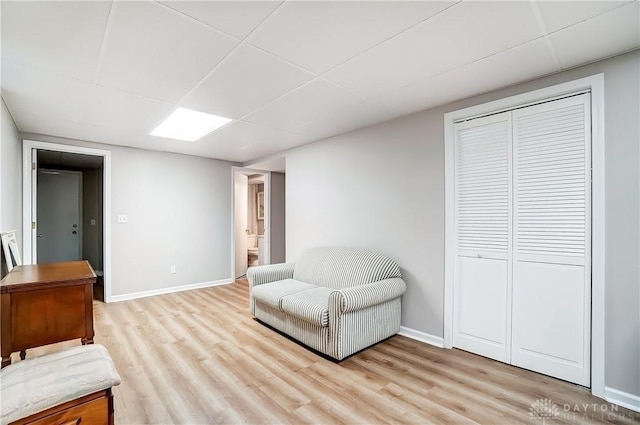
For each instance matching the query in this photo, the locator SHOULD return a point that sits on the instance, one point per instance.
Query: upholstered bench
(68, 387)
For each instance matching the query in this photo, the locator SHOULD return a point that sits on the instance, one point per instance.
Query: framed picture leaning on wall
(10, 249)
(260, 205)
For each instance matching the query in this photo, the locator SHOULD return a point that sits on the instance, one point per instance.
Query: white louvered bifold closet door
(552, 240)
(482, 213)
(522, 274)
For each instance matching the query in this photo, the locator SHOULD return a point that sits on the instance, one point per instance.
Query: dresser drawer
(94, 412)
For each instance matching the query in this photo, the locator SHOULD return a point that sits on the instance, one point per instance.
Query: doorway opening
(251, 220)
(69, 210)
(66, 207)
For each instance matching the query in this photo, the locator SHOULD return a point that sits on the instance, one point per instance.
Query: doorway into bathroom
(251, 219)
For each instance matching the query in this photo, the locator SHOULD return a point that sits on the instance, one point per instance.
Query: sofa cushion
(272, 293)
(311, 305)
(340, 268)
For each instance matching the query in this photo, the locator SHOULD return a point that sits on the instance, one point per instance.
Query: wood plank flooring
(199, 357)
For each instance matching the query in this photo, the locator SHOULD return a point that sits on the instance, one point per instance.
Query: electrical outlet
(172, 270)
(123, 218)
(93, 221)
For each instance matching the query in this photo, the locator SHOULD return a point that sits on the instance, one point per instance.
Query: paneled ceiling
(287, 73)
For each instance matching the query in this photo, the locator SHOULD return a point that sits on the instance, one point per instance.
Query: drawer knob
(75, 421)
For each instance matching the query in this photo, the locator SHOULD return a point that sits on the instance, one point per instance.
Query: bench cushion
(272, 293)
(33, 385)
(311, 305)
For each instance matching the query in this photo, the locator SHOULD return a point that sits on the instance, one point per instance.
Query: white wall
(382, 188)
(10, 175)
(92, 235)
(179, 213)
(277, 218)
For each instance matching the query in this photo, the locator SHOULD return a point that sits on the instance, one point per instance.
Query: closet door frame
(595, 85)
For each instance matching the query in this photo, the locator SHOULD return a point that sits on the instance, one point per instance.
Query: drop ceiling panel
(132, 138)
(61, 36)
(109, 72)
(461, 34)
(561, 14)
(36, 91)
(358, 116)
(117, 109)
(157, 52)
(613, 32)
(509, 67)
(43, 124)
(246, 80)
(312, 102)
(242, 141)
(237, 18)
(320, 35)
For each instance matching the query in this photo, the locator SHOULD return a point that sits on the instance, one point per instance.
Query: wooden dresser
(94, 409)
(43, 304)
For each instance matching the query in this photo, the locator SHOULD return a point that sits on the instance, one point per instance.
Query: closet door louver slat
(482, 187)
(550, 167)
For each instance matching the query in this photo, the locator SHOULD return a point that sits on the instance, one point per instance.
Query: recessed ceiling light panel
(185, 124)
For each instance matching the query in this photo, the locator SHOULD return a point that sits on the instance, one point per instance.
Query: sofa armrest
(359, 297)
(270, 273)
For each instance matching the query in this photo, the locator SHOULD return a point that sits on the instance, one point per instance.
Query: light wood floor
(199, 357)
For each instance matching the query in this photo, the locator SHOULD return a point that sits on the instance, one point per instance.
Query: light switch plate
(93, 221)
(122, 218)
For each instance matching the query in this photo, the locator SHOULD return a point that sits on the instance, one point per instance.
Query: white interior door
(552, 268)
(240, 188)
(59, 223)
(482, 277)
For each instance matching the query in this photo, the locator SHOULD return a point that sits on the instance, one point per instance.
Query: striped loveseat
(335, 300)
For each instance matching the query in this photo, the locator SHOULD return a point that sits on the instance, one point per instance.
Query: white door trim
(267, 218)
(595, 84)
(27, 147)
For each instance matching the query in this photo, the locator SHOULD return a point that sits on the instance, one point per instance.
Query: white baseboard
(421, 336)
(152, 292)
(622, 399)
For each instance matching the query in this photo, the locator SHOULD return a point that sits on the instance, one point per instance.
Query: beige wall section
(92, 210)
(10, 176)
(277, 218)
(382, 188)
(179, 210)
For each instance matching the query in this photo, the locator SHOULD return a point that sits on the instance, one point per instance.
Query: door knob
(39, 235)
